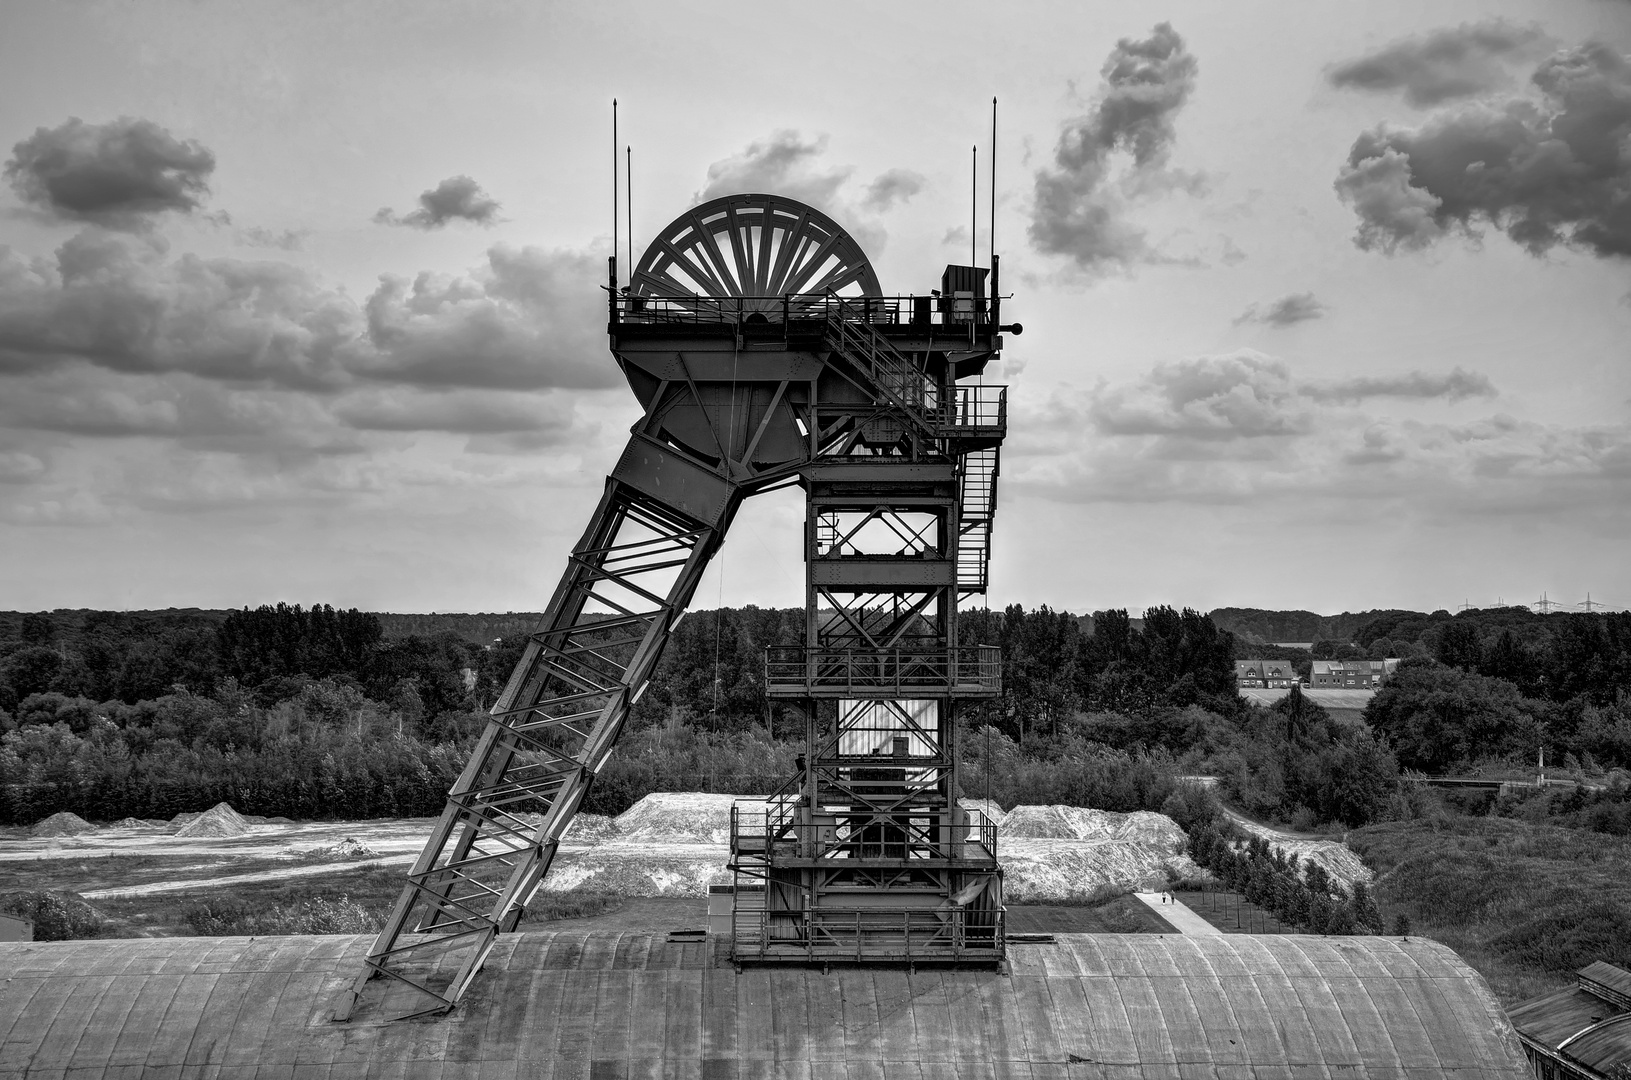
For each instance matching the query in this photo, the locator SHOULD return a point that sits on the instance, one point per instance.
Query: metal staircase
(977, 488)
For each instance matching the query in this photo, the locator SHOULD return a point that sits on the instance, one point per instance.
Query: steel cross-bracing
(755, 337)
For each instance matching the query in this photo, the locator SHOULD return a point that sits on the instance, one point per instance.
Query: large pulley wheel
(756, 248)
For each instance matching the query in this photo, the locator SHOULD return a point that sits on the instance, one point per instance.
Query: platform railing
(860, 934)
(900, 311)
(976, 408)
(971, 669)
(778, 830)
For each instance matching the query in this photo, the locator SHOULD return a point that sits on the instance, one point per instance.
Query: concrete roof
(613, 1004)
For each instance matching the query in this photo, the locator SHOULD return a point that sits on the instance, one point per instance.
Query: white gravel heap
(677, 817)
(677, 843)
(62, 823)
(1070, 853)
(590, 829)
(219, 820)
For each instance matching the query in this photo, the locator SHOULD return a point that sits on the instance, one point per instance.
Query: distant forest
(326, 713)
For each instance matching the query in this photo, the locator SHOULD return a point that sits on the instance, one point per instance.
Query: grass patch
(573, 904)
(1525, 904)
(1124, 914)
(351, 901)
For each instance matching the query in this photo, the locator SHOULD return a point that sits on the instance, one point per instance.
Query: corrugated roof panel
(1136, 1006)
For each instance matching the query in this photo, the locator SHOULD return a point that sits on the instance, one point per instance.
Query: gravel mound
(139, 823)
(678, 817)
(632, 872)
(219, 820)
(62, 823)
(1080, 823)
(347, 850)
(1053, 871)
(590, 829)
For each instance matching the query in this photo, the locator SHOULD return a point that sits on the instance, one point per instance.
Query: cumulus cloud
(792, 164)
(1458, 384)
(466, 412)
(894, 186)
(528, 319)
(458, 198)
(281, 239)
(1241, 428)
(117, 302)
(119, 174)
(1286, 311)
(18, 467)
(787, 163)
(1242, 395)
(1449, 63)
(1080, 208)
(1546, 170)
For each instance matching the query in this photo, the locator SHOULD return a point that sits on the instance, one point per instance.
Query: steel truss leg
(627, 582)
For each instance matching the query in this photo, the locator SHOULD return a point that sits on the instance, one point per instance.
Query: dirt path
(224, 880)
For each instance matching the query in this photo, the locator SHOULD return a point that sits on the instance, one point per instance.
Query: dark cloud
(116, 302)
(461, 412)
(785, 164)
(1239, 429)
(116, 174)
(1453, 62)
(281, 239)
(1079, 210)
(1457, 385)
(529, 319)
(1547, 172)
(1286, 311)
(894, 186)
(1241, 396)
(458, 198)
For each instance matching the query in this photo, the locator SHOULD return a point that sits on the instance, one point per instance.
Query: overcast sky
(1327, 306)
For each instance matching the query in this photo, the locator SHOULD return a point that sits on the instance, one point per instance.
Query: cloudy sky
(1326, 305)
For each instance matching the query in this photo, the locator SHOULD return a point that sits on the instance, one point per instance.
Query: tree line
(316, 712)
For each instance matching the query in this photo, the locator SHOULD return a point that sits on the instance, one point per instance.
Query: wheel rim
(758, 247)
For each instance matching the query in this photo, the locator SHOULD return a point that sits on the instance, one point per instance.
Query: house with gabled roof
(1265, 674)
(1350, 674)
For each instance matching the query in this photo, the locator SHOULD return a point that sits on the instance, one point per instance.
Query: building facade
(1351, 674)
(1265, 674)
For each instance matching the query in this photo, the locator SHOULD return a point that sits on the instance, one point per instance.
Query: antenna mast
(993, 195)
(614, 197)
(974, 206)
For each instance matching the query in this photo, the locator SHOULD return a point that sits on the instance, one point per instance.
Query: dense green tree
(1435, 716)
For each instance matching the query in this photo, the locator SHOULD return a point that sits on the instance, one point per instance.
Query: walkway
(245, 879)
(1179, 914)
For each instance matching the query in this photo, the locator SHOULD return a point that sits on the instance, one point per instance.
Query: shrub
(1570, 936)
(225, 916)
(57, 916)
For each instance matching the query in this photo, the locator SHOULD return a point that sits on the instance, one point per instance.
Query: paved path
(1179, 914)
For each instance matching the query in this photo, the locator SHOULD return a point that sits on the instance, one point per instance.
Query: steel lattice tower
(756, 337)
